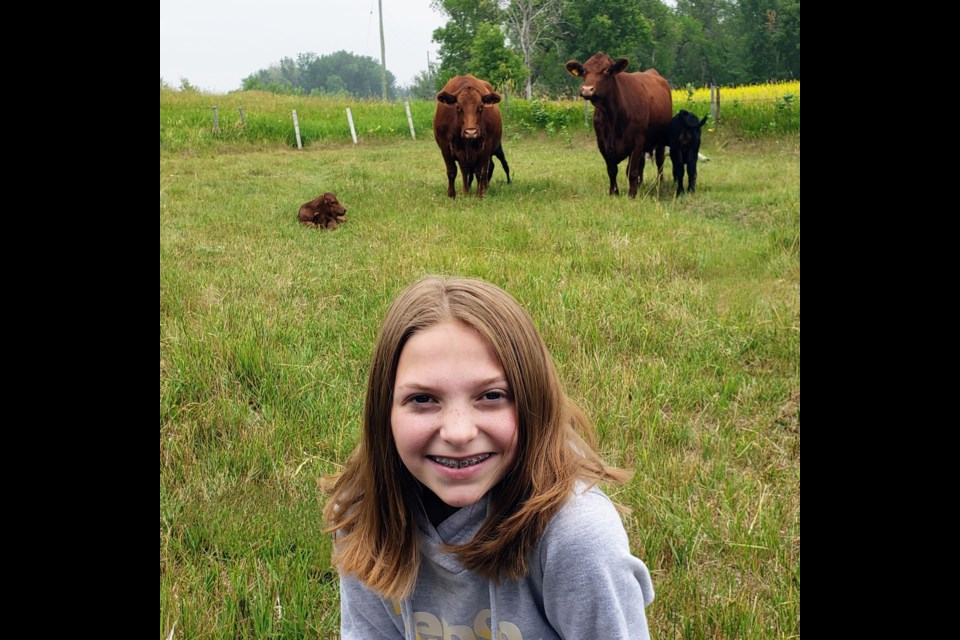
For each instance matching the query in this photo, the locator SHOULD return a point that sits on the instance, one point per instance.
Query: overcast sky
(215, 44)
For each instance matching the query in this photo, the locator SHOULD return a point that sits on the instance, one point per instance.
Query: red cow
(323, 211)
(467, 127)
(631, 114)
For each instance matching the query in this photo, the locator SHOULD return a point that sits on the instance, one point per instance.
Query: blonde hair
(373, 501)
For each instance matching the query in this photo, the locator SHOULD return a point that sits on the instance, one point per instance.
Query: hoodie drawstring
(409, 631)
(494, 618)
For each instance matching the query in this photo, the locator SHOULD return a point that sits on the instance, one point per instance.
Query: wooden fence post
(216, 120)
(243, 118)
(296, 128)
(715, 103)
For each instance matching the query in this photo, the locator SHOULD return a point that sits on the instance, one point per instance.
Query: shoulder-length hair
(373, 501)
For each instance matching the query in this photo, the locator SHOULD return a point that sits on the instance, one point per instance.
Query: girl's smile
(453, 416)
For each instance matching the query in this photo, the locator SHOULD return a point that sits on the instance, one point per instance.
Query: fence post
(243, 118)
(353, 132)
(413, 134)
(586, 112)
(216, 120)
(296, 128)
(715, 103)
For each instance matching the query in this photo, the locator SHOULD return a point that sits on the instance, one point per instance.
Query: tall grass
(674, 322)
(186, 117)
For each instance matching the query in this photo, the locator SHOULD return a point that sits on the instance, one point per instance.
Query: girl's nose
(458, 427)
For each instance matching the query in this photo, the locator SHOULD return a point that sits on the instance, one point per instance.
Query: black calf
(684, 147)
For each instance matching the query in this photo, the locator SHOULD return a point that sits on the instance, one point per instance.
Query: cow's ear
(491, 98)
(446, 98)
(619, 66)
(575, 68)
(704, 121)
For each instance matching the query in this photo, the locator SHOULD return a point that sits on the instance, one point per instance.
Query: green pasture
(675, 323)
(187, 119)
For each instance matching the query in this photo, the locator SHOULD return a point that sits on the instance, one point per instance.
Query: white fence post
(216, 120)
(413, 134)
(353, 132)
(296, 128)
(243, 118)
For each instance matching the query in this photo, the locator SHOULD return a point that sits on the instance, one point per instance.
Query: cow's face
(470, 104)
(332, 206)
(598, 74)
(690, 126)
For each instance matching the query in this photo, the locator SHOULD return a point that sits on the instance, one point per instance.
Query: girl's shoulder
(588, 517)
(586, 545)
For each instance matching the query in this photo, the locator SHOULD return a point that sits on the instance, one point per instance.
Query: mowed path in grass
(675, 324)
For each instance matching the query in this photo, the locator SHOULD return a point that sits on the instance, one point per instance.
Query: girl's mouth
(460, 463)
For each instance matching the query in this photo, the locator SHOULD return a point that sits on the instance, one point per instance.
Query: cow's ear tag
(576, 72)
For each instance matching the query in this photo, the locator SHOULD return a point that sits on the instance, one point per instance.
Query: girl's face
(453, 416)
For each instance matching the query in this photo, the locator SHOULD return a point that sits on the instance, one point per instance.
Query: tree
(186, 86)
(771, 33)
(711, 43)
(341, 72)
(492, 61)
(456, 38)
(689, 41)
(788, 42)
(424, 86)
(533, 25)
(616, 27)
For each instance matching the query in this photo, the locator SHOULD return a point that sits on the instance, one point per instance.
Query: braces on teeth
(460, 464)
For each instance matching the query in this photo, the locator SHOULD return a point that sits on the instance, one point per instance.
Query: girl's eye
(494, 395)
(420, 398)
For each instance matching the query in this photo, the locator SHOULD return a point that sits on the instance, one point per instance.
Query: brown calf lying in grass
(323, 211)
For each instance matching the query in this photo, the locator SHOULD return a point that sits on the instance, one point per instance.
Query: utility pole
(383, 54)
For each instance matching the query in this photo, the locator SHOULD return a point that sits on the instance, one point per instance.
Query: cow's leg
(451, 163)
(612, 174)
(467, 179)
(503, 162)
(488, 170)
(692, 171)
(660, 153)
(677, 160)
(483, 178)
(635, 169)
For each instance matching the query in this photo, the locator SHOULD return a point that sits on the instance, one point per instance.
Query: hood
(459, 528)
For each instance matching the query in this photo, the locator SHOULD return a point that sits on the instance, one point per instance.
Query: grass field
(257, 118)
(674, 323)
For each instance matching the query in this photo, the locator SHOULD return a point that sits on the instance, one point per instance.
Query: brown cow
(323, 211)
(467, 127)
(631, 114)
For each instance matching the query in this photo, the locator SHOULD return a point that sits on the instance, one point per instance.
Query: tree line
(340, 73)
(522, 45)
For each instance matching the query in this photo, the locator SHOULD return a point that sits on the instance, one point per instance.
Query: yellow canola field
(744, 93)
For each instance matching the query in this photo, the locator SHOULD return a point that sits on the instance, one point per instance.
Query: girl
(470, 508)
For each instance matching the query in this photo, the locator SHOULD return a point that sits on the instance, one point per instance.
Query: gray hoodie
(582, 582)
